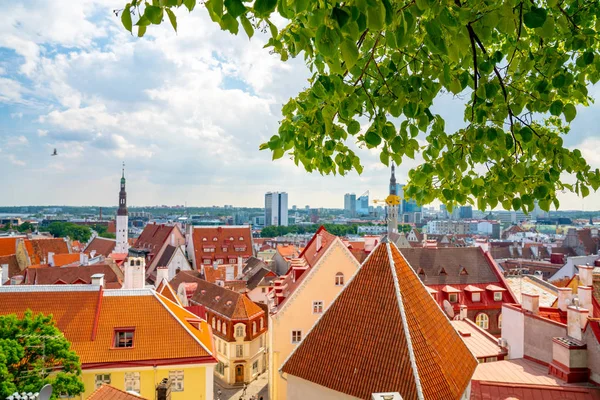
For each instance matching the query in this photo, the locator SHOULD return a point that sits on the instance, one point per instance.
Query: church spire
(393, 186)
(122, 195)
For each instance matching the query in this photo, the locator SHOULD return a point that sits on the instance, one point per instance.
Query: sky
(185, 111)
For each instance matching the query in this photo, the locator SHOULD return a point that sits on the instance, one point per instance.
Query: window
(443, 272)
(224, 249)
(204, 239)
(209, 249)
(453, 297)
(132, 381)
(219, 325)
(296, 336)
(123, 338)
(215, 239)
(317, 307)
(232, 261)
(224, 330)
(483, 321)
(206, 261)
(339, 279)
(239, 350)
(255, 367)
(220, 368)
(102, 379)
(218, 345)
(239, 331)
(491, 359)
(262, 324)
(463, 271)
(254, 328)
(241, 238)
(476, 297)
(500, 321)
(176, 378)
(225, 348)
(264, 290)
(497, 296)
(261, 342)
(213, 322)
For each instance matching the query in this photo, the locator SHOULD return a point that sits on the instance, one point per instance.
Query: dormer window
(204, 239)
(123, 338)
(240, 331)
(241, 238)
(497, 296)
(224, 249)
(215, 239)
(443, 272)
(231, 238)
(476, 297)
(453, 297)
(463, 271)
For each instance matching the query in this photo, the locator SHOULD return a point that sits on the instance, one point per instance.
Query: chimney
(586, 275)
(319, 241)
(585, 296)
(531, 302)
(563, 295)
(463, 312)
(229, 273)
(2, 267)
(16, 280)
(51, 259)
(162, 273)
(215, 265)
(83, 259)
(576, 320)
(163, 390)
(173, 239)
(135, 273)
(98, 279)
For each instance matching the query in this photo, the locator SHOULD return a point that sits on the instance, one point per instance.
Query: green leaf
(372, 139)
(526, 134)
(349, 53)
(376, 16)
(516, 204)
(353, 127)
(559, 81)
(519, 170)
(215, 8)
(277, 153)
(154, 14)
(341, 16)
(229, 23)
(585, 191)
(190, 4)
(569, 111)
(264, 7)
(235, 8)
(327, 41)
(556, 107)
(141, 30)
(535, 18)
(247, 26)
(172, 18)
(126, 17)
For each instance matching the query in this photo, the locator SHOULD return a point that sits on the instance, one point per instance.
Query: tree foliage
(103, 231)
(74, 231)
(519, 67)
(33, 352)
(335, 229)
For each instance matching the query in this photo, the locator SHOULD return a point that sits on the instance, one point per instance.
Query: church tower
(392, 204)
(122, 245)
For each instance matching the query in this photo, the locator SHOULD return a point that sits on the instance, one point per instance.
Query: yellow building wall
(194, 381)
(297, 313)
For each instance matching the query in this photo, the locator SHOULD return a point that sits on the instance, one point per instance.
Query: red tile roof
(385, 296)
(8, 245)
(113, 277)
(153, 237)
(13, 265)
(38, 249)
(230, 304)
(221, 242)
(101, 246)
(288, 251)
(64, 259)
(88, 317)
(107, 392)
(212, 275)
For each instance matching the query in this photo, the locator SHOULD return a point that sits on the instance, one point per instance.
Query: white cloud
(15, 141)
(42, 132)
(10, 91)
(15, 161)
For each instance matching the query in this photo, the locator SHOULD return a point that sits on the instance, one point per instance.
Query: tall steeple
(122, 245)
(392, 204)
(393, 186)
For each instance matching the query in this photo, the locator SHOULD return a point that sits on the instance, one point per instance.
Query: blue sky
(186, 112)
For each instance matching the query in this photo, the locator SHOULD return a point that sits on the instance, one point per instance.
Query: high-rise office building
(276, 209)
(362, 204)
(466, 212)
(350, 205)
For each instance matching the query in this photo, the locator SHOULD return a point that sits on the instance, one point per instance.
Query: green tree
(521, 66)
(34, 352)
(74, 231)
(25, 227)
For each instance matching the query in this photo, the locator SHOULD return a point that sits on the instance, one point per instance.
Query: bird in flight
(54, 153)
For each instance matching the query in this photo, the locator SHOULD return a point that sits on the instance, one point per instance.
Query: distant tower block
(122, 245)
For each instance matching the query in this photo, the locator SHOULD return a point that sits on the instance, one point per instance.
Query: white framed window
(232, 261)
(483, 321)
(497, 296)
(339, 279)
(219, 325)
(213, 322)
(239, 350)
(123, 338)
(296, 337)
(224, 249)
(220, 368)
(254, 328)
(206, 261)
(176, 378)
(318, 307)
(224, 330)
(262, 323)
(476, 297)
(240, 331)
(453, 297)
(132, 381)
(215, 239)
(102, 379)
(255, 367)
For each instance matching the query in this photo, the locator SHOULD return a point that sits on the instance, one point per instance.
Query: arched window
(213, 322)
(500, 321)
(262, 324)
(339, 279)
(239, 331)
(224, 328)
(219, 325)
(254, 328)
(483, 321)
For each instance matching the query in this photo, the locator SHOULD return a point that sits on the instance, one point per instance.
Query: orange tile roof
(13, 265)
(88, 317)
(64, 259)
(167, 291)
(228, 237)
(8, 245)
(107, 392)
(416, 350)
(212, 275)
(288, 250)
(39, 248)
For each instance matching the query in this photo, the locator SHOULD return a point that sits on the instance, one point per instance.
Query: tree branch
(518, 35)
(475, 71)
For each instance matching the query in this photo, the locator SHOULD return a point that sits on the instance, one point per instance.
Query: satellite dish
(448, 308)
(45, 393)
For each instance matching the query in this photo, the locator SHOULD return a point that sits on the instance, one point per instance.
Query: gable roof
(230, 304)
(216, 238)
(89, 315)
(113, 277)
(452, 260)
(64, 259)
(166, 256)
(416, 351)
(102, 246)
(13, 265)
(153, 237)
(107, 392)
(39, 248)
